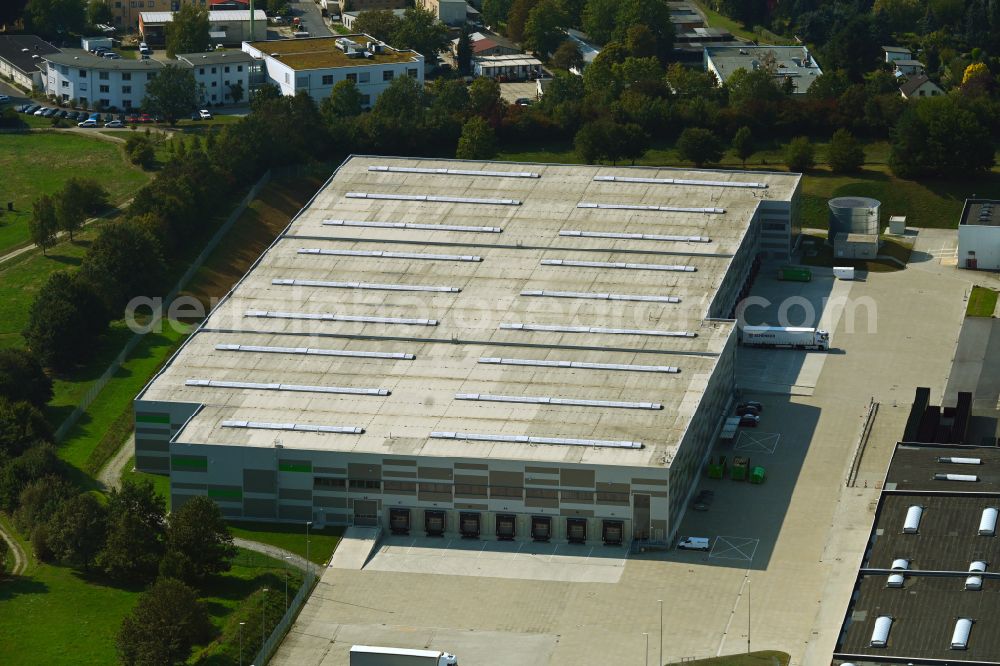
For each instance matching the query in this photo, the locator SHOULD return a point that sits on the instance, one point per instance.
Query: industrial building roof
(323, 52)
(914, 468)
(21, 51)
(981, 213)
(453, 308)
(214, 16)
(789, 61)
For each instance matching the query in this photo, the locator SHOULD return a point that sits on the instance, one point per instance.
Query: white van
(694, 543)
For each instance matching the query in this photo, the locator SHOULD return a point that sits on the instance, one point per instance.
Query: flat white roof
(437, 307)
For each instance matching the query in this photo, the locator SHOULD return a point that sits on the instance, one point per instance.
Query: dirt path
(110, 475)
(20, 559)
(297, 561)
(27, 248)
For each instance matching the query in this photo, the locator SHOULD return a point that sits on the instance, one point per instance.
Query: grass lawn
(291, 537)
(161, 482)
(816, 252)
(765, 658)
(107, 423)
(40, 162)
(982, 302)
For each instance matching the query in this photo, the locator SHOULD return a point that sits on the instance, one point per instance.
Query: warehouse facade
(471, 348)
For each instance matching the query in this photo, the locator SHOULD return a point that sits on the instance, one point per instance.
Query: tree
(380, 24)
(477, 141)
(568, 56)
(463, 53)
(43, 224)
(640, 41)
(517, 17)
(420, 30)
(756, 86)
(699, 145)
(139, 150)
(198, 541)
(79, 198)
(236, 92)
(125, 261)
(77, 530)
(21, 426)
(485, 100)
(65, 318)
(800, 154)
(655, 15)
(545, 27)
(495, 13)
(136, 532)
(39, 500)
(22, 378)
(15, 475)
(165, 624)
(173, 93)
(187, 32)
(11, 11)
(743, 144)
(3, 556)
(845, 154)
(344, 101)
(938, 137)
(99, 11)
(599, 19)
(54, 18)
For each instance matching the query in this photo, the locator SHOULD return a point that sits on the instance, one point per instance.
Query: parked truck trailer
(370, 655)
(785, 336)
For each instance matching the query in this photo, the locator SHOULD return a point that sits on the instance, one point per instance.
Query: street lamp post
(660, 601)
(263, 605)
(646, 660)
(241, 642)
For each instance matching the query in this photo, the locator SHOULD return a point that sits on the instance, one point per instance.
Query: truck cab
(823, 340)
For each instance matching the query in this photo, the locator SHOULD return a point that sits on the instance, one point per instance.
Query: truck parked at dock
(785, 336)
(370, 655)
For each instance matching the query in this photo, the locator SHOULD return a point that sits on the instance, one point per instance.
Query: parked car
(703, 500)
(145, 118)
(48, 113)
(39, 111)
(204, 114)
(749, 421)
(4, 98)
(746, 409)
(694, 543)
(111, 55)
(89, 122)
(523, 101)
(750, 405)
(114, 123)
(31, 108)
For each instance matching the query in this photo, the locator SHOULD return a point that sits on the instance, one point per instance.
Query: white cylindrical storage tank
(853, 215)
(988, 523)
(880, 636)
(912, 523)
(960, 637)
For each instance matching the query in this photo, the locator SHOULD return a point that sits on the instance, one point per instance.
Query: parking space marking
(757, 442)
(734, 548)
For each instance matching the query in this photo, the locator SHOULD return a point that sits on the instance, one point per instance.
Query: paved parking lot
(783, 555)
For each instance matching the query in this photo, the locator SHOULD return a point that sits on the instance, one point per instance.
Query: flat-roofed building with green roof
(316, 64)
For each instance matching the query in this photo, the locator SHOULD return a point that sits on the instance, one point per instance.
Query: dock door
(640, 516)
(366, 513)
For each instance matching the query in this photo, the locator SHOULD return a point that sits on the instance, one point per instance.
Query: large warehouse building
(477, 348)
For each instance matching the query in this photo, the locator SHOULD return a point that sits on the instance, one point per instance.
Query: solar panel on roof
(329, 316)
(681, 181)
(619, 265)
(297, 427)
(594, 329)
(621, 236)
(665, 209)
(457, 172)
(600, 296)
(390, 255)
(580, 365)
(293, 282)
(411, 225)
(347, 390)
(309, 351)
(525, 439)
(433, 198)
(542, 400)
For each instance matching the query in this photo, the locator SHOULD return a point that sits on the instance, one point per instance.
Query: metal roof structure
(84, 59)
(442, 301)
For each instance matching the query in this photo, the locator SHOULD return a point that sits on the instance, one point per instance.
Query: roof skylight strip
(579, 365)
(681, 181)
(665, 209)
(457, 172)
(541, 400)
(329, 316)
(525, 439)
(432, 198)
(296, 427)
(389, 255)
(293, 282)
(411, 225)
(309, 351)
(302, 388)
(618, 264)
(601, 297)
(651, 237)
(594, 329)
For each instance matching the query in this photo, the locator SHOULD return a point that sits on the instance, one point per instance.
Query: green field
(291, 537)
(52, 612)
(982, 302)
(40, 162)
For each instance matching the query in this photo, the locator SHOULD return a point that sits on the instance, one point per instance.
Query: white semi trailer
(370, 655)
(785, 336)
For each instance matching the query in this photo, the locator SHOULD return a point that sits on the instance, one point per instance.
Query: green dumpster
(757, 475)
